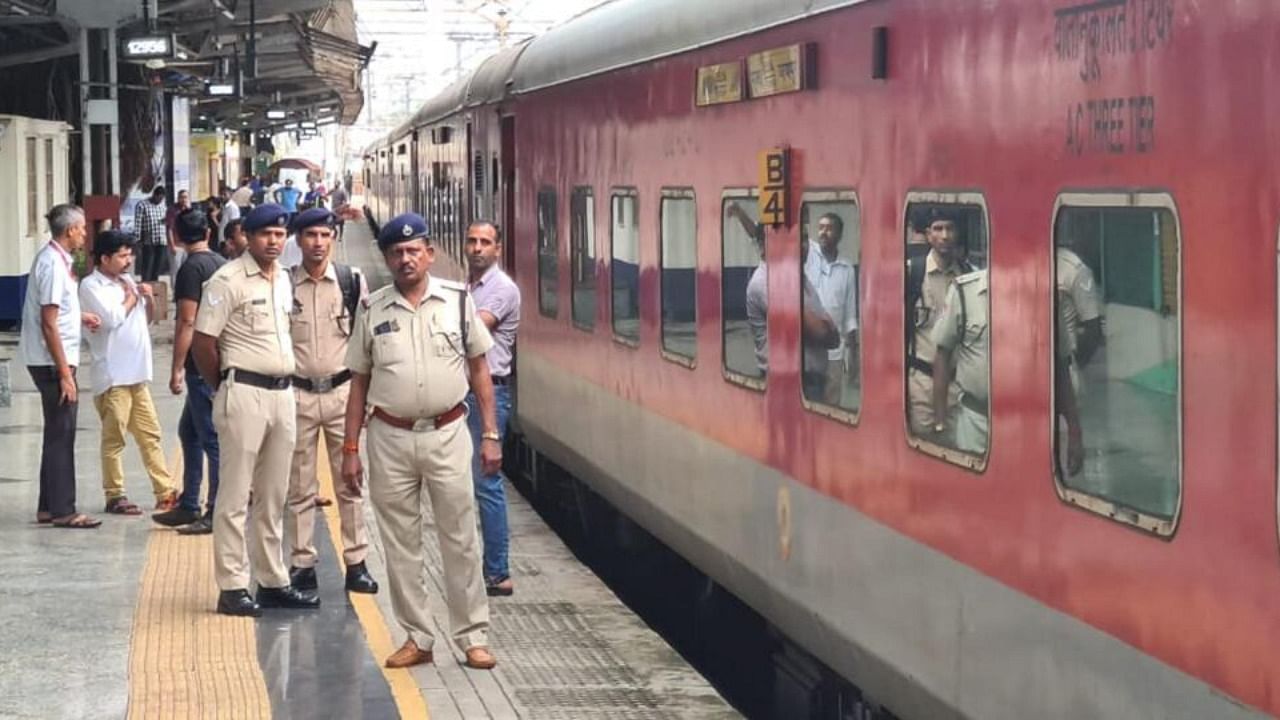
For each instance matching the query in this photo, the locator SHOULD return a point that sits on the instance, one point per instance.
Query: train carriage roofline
(623, 33)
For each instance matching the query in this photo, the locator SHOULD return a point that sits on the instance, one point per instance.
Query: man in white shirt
(836, 282)
(50, 348)
(121, 372)
(230, 211)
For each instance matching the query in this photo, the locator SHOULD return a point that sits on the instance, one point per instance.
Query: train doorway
(509, 194)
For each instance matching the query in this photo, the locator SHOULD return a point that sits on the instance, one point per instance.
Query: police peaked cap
(312, 218)
(265, 216)
(191, 225)
(402, 228)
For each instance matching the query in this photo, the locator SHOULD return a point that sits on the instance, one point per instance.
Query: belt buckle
(322, 385)
(424, 424)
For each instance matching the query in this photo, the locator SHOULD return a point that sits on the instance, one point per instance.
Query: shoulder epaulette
(453, 285)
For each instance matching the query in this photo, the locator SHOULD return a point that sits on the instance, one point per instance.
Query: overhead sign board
(776, 71)
(775, 186)
(718, 84)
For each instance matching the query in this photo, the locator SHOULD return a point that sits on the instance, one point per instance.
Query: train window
(548, 254)
(1117, 434)
(947, 338)
(48, 173)
(744, 290)
(679, 222)
(624, 266)
(830, 247)
(582, 247)
(33, 191)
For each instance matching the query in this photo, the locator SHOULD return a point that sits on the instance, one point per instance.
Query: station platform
(119, 622)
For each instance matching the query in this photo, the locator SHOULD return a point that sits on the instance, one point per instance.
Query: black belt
(500, 379)
(919, 365)
(324, 384)
(974, 404)
(266, 382)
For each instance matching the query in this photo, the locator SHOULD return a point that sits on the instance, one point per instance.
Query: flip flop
(122, 506)
(79, 521)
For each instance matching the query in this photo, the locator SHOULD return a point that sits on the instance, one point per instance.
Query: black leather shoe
(303, 578)
(203, 526)
(360, 581)
(238, 602)
(175, 517)
(287, 597)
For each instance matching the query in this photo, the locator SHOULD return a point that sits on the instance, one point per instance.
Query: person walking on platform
(243, 349)
(50, 348)
(325, 296)
(196, 432)
(149, 225)
(497, 300)
(121, 372)
(411, 351)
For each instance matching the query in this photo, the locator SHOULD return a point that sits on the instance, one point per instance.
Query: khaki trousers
(256, 432)
(128, 408)
(920, 408)
(403, 465)
(322, 412)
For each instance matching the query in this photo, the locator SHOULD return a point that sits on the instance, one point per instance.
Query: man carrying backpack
(325, 295)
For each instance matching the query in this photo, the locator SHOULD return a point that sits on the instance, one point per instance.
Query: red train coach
(1108, 546)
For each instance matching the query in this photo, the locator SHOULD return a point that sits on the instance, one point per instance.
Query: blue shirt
(289, 198)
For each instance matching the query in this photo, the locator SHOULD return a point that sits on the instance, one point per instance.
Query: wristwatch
(491, 436)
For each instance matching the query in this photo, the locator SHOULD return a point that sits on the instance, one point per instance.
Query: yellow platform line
(404, 689)
(185, 660)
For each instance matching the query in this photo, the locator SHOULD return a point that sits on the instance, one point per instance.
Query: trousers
(199, 440)
(322, 413)
(256, 432)
(491, 497)
(58, 450)
(403, 467)
(129, 409)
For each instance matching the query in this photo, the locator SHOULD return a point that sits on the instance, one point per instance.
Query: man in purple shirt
(497, 301)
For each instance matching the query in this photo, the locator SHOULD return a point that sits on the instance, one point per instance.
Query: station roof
(309, 62)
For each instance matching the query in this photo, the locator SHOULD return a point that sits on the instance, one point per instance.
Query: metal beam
(39, 56)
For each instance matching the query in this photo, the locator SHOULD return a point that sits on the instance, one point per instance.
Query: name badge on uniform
(389, 326)
(259, 301)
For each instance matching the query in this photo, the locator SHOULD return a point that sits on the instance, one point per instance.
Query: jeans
(199, 440)
(58, 451)
(491, 496)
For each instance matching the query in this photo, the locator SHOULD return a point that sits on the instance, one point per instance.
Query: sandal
(79, 521)
(122, 506)
(44, 518)
(168, 502)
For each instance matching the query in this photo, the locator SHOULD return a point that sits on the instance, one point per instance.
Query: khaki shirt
(970, 345)
(414, 356)
(1078, 301)
(933, 300)
(320, 324)
(249, 315)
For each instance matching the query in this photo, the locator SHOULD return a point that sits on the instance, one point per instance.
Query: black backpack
(917, 256)
(349, 283)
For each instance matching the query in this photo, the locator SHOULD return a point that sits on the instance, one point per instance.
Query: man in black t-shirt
(195, 430)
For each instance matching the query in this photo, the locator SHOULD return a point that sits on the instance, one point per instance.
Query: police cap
(191, 225)
(312, 218)
(265, 216)
(402, 228)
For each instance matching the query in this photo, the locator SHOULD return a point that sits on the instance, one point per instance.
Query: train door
(508, 193)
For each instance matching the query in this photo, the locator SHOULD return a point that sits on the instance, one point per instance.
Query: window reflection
(830, 252)
(1117, 401)
(744, 291)
(624, 266)
(548, 254)
(679, 276)
(947, 334)
(582, 235)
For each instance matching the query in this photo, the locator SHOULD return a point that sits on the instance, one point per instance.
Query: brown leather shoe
(408, 655)
(480, 658)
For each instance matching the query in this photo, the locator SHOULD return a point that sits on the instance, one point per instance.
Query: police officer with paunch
(243, 350)
(325, 297)
(414, 346)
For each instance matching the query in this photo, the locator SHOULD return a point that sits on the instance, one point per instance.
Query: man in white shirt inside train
(834, 279)
(121, 372)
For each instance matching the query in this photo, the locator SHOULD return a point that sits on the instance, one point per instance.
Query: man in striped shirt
(153, 241)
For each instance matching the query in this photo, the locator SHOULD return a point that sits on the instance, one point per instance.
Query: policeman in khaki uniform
(243, 350)
(414, 345)
(321, 325)
(962, 334)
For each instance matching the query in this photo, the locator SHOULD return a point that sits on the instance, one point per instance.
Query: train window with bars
(48, 173)
(548, 254)
(830, 247)
(744, 290)
(582, 251)
(1117, 349)
(946, 302)
(624, 265)
(33, 190)
(678, 218)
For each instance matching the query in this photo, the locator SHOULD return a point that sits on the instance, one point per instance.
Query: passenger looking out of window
(961, 340)
(929, 275)
(834, 279)
(1079, 331)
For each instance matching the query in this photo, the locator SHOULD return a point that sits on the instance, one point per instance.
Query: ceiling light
(307, 124)
(222, 89)
(276, 114)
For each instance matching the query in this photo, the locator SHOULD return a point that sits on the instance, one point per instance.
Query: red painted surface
(977, 99)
